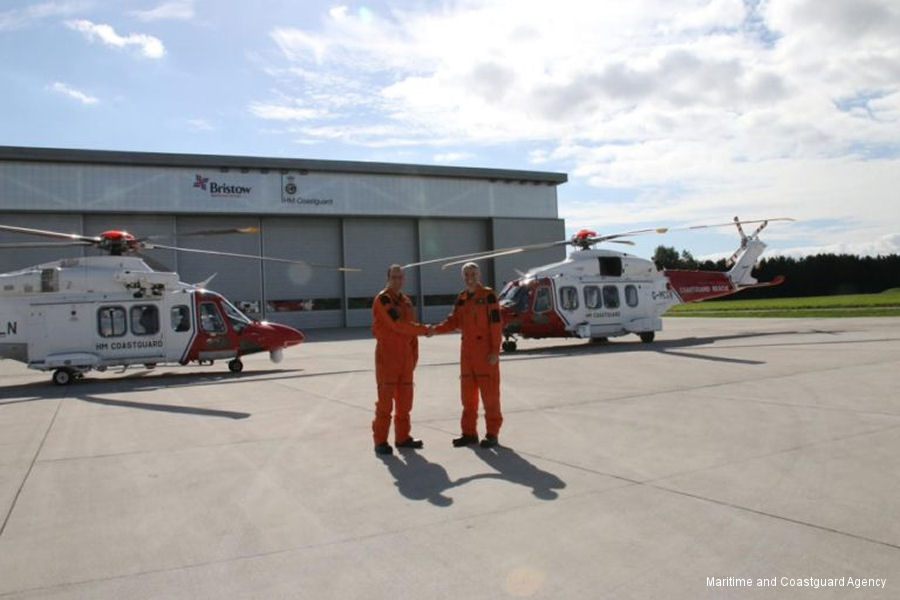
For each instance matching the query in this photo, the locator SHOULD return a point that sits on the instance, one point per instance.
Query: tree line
(819, 275)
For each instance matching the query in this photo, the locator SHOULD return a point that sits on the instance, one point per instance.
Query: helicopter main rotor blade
(251, 256)
(75, 237)
(203, 233)
(5, 245)
(612, 236)
(153, 263)
(730, 224)
(461, 258)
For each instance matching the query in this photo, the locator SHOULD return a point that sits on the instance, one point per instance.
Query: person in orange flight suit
(396, 354)
(477, 315)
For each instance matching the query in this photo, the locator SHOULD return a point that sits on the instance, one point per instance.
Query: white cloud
(21, 17)
(176, 9)
(282, 112)
(452, 157)
(66, 90)
(200, 125)
(150, 46)
(685, 109)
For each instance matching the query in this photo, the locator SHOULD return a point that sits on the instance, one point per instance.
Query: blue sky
(662, 112)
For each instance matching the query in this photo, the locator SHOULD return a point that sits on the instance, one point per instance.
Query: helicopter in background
(598, 294)
(77, 314)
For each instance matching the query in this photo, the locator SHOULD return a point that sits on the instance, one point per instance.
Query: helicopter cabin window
(592, 298)
(50, 280)
(210, 319)
(111, 321)
(610, 296)
(631, 296)
(568, 298)
(181, 318)
(610, 266)
(542, 301)
(144, 319)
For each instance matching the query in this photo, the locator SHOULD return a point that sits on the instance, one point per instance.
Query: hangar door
(449, 237)
(372, 245)
(238, 279)
(12, 259)
(302, 295)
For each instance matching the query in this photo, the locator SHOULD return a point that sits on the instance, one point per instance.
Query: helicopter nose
(272, 336)
(290, 336)
(285, 336)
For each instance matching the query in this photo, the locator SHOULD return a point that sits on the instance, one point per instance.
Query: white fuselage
(94, 312)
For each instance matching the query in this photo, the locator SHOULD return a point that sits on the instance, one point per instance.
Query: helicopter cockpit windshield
(237, 319)
(514, 297)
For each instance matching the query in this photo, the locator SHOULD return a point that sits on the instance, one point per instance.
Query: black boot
(383, 448)
(410, 443)
(465, 439)
(489, 441)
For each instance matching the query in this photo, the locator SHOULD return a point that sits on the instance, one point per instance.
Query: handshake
(429, 330)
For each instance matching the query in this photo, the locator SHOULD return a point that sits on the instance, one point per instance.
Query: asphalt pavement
(731, 458)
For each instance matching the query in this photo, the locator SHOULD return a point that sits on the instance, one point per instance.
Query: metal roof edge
(161, 159)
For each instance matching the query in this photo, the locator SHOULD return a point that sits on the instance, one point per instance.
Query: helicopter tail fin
(744, 258)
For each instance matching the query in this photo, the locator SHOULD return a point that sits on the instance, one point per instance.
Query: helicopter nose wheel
(235, 365)
(647, 336)
(509, 346)
(63, 376)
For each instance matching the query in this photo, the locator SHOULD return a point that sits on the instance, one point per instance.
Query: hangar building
(358, 214)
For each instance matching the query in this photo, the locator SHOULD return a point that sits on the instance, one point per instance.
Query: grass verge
(885, 304)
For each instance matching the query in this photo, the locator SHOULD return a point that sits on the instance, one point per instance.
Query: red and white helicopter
(77, 314)
(598, 293)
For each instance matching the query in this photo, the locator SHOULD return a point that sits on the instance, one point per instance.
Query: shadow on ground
(418, 479)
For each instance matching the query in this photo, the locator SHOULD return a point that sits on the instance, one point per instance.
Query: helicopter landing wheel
(509, 346)
(63, 376)
(599, 340)
(235, 365)
(647, 336)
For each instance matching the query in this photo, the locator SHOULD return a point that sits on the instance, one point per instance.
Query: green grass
(885, 304)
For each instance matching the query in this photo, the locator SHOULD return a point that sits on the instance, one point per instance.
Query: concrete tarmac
(728, 456)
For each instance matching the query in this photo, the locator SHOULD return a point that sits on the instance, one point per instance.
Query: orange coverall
(396, 354)
(477, 315)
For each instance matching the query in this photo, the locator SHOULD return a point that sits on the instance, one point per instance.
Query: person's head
(471, 275)
(395, 277)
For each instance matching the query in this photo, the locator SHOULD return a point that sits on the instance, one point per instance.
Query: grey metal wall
(448, 237)
(238, 279)
(316, 241)
(372, 245)
(298, 295)
(509, 233)
(19, 258)
(87, 188)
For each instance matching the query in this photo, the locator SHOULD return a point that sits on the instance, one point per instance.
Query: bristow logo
(220, 189)
(200, 182)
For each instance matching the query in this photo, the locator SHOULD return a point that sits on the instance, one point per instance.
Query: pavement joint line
(308, 547)
(37, 453)
(771, 454)
(775, 516)
(813, 407)
(680, 390)
(425, 422)
(302, 548)
(650, 483)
